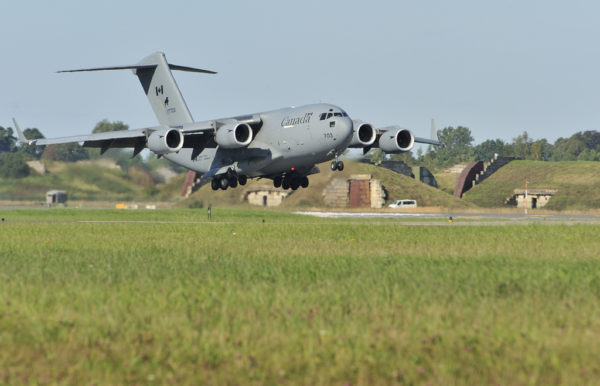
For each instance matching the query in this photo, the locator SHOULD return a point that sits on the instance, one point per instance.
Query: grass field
(166, 297)
(577, 184)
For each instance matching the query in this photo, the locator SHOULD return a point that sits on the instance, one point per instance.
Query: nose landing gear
(337, 164)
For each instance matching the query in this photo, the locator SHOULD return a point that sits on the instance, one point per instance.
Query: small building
(55, 197)
(359, 191)
(536, 198)
(266, 197)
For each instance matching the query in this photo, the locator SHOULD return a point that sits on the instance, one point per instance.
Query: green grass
(293, 300)
(577, 182)
(81, 181)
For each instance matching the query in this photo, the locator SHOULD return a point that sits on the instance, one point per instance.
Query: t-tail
(154, 73)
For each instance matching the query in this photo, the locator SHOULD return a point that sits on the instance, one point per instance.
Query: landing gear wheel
(304, 182)
(242, 180)
(294, 185)
(233, 182)
(340, 166)
(334, 166)
(285, 184)
(277, 181)
(214, 184)
(224, 183)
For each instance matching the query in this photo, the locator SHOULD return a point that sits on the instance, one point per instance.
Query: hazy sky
(498, 67)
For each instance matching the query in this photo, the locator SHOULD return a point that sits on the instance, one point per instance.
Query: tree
(486, 150)
(13, 165)
(32, 151)
(568, 149)
(456, 147)
(7, 140)
(521, 146)
(105, 126)
(589, 155)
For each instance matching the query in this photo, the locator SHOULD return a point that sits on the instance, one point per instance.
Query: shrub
(13, 165)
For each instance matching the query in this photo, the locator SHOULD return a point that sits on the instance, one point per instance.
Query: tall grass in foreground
(302, 303)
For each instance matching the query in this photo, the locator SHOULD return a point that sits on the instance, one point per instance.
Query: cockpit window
(331, 113)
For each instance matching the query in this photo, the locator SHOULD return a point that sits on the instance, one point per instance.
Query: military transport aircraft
(283, 145)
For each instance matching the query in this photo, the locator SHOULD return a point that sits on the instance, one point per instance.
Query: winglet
(20, 135)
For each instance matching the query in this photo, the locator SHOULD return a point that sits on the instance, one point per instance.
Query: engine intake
(165, 141)
(364, 135)
(234, 135)
(396, 141)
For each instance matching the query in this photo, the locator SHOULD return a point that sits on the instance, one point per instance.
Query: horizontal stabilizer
(141, 67)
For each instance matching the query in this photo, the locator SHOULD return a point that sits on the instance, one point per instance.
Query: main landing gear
(290, 181)
(337, 164)
(228, 180)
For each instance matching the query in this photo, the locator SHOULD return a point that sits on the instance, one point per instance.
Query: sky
(499, 68)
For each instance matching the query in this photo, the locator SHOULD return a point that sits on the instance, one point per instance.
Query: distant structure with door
(56, 197)
(536, 198)
(266, 196)
(359, 191)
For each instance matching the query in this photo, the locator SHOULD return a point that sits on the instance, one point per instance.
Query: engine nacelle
(364, 134)
(396, 141)
(165, 141)
(234, 135)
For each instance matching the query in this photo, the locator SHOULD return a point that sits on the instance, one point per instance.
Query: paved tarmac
(464, 218)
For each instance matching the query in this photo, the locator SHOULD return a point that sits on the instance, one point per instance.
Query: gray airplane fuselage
(288, 139)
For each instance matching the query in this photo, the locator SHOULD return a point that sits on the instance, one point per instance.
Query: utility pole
(526, 186)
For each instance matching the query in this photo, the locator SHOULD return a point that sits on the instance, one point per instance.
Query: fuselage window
(337, 114)
(323, 116)
(344, 114)
(329, 115)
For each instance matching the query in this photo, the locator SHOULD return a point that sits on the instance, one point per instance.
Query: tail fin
(154, 73)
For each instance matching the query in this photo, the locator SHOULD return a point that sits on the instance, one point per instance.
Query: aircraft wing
(122, 138)
(195, 136)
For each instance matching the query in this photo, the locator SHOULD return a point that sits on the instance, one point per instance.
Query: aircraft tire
(215, 184)
(294, 184)
(304, 182)
(285, 184)
(340, 166)
(333, 166)
(277, 181)
(242, 180)
(224, 183)
(233, 182)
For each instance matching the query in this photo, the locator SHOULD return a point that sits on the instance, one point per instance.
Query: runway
(464, 218)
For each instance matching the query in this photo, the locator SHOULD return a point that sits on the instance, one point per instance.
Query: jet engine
(234, 135)
(364, 135)
(396, 141)
(165, 141)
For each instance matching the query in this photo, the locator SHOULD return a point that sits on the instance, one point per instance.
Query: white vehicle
(403, 204)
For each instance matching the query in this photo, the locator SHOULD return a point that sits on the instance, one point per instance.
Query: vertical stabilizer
(162, 91)
(160, 87)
